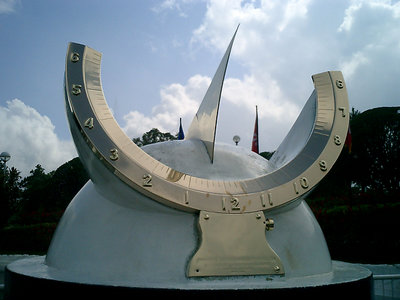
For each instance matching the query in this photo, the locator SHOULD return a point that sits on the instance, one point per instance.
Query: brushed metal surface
(234, 245)
(204, 123)
(297, 168)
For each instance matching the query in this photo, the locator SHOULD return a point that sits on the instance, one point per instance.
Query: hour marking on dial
(322, 165)
(186, 197)
(235, 205)
(337, 140)
(304, 182)
(179, 190)
(89, 123)
(270, 199)
(296, 189)
(147, 178)
(343, 110)
(75, 57)
(76, 89)
(263, 202)
(114, 154)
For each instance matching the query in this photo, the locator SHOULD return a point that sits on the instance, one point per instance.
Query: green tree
(376, 149)
(373, 164)
(65, 183)
(14, 188)
(153, 136)
(354, 113)
(267, 154)
(45, 196)
(35, 189)
(10, 193)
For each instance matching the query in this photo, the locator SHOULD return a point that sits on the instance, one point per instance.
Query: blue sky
(159, 57)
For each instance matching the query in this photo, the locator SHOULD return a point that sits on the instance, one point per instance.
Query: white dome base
(141, 242)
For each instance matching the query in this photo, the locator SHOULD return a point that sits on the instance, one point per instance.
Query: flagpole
(254, 145)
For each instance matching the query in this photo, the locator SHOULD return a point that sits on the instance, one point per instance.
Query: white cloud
(248, 92)
(237, 111)
(269, 42)
(293, 9)
(370, 13)
(216, 31)
(371, 53)
(277, 111)
(177, 101)
(280, 45)
(348, 19)
(350, 67)
(8, 6)
(30, 139)
(286, 42)
(170, 5)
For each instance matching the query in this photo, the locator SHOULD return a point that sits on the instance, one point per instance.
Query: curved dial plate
(89, 111)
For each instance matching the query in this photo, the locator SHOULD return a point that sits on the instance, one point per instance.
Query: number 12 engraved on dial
(235, 205)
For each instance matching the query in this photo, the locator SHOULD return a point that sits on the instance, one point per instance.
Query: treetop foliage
(373, 164)
(38, 192)
(153, 136)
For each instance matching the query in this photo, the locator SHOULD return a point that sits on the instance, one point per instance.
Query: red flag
(348, 141)
(254, 144)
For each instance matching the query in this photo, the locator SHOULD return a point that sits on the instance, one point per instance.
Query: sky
(158, 58)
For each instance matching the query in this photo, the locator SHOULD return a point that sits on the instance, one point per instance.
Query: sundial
(193, 214)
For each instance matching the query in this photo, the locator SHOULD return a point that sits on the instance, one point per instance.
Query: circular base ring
(347, 280)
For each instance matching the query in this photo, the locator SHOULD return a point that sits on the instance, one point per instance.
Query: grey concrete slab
(5, 260)
(385, 288)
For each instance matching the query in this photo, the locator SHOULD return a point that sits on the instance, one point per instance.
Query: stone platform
(32, 278)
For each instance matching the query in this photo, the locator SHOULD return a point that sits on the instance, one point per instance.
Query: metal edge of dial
(171, 187)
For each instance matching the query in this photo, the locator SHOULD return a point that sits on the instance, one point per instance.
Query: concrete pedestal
(115, 242)
(31, 278)
(124, 248)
